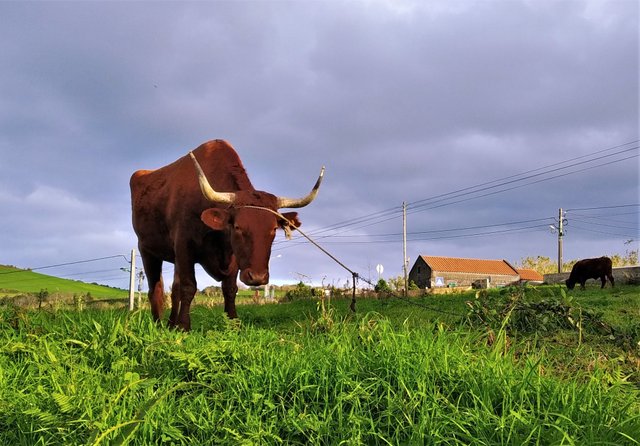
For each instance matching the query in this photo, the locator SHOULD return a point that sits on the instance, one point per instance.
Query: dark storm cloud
(402, 101)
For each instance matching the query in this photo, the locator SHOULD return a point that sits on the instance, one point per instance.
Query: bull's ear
(214, 218)
(292, 217)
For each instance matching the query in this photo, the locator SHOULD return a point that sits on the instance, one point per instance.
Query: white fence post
(132, 279)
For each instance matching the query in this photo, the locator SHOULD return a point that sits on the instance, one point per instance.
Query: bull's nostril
(258, 277)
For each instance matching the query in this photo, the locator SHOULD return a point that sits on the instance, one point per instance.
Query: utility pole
(404, 246)
(560, 235)
(132, 279)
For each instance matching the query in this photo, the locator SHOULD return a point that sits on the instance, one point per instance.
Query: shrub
(301, 291)
(382, 287)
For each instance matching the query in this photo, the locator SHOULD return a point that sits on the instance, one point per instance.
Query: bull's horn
(301, 202)
(207, 190)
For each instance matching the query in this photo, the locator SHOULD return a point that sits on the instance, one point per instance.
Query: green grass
(394, 373)
(14, 281)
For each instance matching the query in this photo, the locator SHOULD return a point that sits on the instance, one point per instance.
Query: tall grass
(112, 377)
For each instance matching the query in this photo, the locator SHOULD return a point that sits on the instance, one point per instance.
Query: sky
(485, 117)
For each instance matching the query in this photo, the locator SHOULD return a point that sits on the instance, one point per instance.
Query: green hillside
(19, 281)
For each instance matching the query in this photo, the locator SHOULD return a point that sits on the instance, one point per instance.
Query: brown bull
(600, 268)
(226, 226)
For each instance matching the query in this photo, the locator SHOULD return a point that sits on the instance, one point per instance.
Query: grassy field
(513, 366)
(19, 282)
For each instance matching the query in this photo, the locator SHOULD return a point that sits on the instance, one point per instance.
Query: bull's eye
(238, 230)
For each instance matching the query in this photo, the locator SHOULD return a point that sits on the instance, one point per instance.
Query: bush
(382, 287)
(301, 291)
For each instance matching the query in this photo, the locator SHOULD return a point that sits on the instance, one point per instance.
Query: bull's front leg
(153, 269)
(175, 303)
(184, 317)
(182, 292)
(229, 291)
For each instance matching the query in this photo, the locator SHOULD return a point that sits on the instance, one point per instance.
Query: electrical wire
(445, 199)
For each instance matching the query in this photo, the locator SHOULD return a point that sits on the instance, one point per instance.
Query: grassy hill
(15, 281)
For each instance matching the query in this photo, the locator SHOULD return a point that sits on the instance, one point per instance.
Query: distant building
(530, 276)
(431, 271)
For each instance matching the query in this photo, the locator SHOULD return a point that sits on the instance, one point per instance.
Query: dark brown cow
(590, 269)
(179, 217)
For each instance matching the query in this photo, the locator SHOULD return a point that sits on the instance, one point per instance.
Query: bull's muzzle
(254, 278)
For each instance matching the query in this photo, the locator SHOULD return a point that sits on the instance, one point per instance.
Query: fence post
(132, 279)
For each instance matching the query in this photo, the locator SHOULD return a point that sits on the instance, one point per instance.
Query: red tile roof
(478, 266)
(529, 274)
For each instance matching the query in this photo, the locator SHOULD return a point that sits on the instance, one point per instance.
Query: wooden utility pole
(132, 280)
(404, 247)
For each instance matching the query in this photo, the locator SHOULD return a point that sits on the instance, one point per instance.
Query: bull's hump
(222, 166)
(216, 145)
(140, 173)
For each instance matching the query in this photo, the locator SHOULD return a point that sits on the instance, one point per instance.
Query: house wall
(420, 274)
(467, 279)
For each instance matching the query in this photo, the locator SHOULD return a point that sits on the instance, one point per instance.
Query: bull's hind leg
(153, 269)
(610, 276)
(603, 280)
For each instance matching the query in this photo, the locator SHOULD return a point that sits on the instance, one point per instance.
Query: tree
(382, 287)
(42, 296)
(541, 264)
(629, 258)
(396, 283)
(299, 292)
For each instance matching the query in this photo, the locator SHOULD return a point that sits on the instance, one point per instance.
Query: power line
(603, 232)
(604, 224)
(423, 207)
(467, 228)
(604, 207)
(429, 203)
(444, 237)
(503, 181)
(496, 192)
